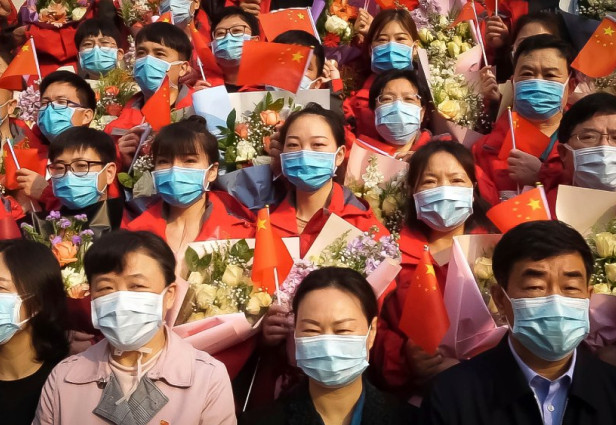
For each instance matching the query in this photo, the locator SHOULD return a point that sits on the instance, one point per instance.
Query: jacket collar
(412, 244)
(176, 364)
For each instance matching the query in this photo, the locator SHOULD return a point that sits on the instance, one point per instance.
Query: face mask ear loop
(335, 166)
(206, 183)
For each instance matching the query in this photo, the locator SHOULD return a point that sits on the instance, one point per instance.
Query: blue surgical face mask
(397, 122)
(390, 56)
(444, 207)
(538, 100)
(52, 121)
(550, 327)
(229, 48)
(332, 360)
(98, 59)
(128, 319)
(307, 170)
(595, 167)
(10, 305)
(150, 73)
(179, 186)
(180, 9)
(77, 192)
(306, 83)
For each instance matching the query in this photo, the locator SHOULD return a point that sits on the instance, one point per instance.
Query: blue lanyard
(546, 152)
(359, 408)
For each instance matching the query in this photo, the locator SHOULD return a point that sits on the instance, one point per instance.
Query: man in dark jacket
(537, 374)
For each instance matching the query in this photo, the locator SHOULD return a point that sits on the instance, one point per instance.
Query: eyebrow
(531, 272)
(573, 273)
(311, 137)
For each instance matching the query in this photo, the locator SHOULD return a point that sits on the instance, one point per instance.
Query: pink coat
(197, 386)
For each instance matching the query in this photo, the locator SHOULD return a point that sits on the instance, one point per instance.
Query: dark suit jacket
(490, 389)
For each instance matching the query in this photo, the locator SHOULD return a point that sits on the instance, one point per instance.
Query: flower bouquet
(112, 92)
(54, 13)
(246, 142)
(137, 13)
(596, 9)
(28, 105)
(475, 326)
(380, 181)
(335, 27)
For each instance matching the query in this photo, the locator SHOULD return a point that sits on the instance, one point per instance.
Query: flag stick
(277, 286)
(38, 69)
(252, 381)
(496, 8)
(512, 137)
(478, 33)
(201, 68)
(366, 4)
(8, 142)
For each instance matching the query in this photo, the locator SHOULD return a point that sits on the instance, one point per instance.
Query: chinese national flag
(8, 225)
(274, 64)
(424, 318)
(528, 206)
(270, 254)
(208, 60)
(467, 13)
(398, 4)
(27, 158)
(528, 138)
(598, 57)
(490, 6)
(157, 109)
(166, 17)
(275, 23)
(23, 65)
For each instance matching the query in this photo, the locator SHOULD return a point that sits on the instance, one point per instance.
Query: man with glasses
(587, 135)
(97, 41)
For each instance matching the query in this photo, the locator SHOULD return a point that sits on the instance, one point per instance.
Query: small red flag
(528, 138)
(208, 60)
(528, 206)
(157, 109)
(271, 255)
(275, 23)
(424, 317)
(598, 57)
(273, 64)
(467, 13)
(166, 17)
(21, 67)
(27, 158)
(8, 226)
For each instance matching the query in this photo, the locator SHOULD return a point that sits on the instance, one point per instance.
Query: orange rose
(270, 117)
(54, 14)
(65, 252)
(241, 130)
(112, 91)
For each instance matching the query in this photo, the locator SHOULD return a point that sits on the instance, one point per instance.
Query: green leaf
(126, 180)
(231, 120)
(241, 251)
(192, 259)
(205, 262)
(277, 105)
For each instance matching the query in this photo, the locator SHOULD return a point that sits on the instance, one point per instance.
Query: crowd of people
(337, 355)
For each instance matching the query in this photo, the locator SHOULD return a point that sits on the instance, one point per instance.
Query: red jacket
(356, 108)
(381, 147)
(343, 203)
(486, 151)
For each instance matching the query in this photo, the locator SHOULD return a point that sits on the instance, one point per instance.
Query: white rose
(610, 272)
(78, 13)
(71, 278)
(336, 25)
(483, 268)
(244, 151)
(233, 275)
(606, 244)
(601, 288)
(390, 206)
(195, 278)
(425, 36)
(196, 316)
(205, 295)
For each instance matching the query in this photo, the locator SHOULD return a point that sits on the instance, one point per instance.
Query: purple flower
(64, 223)
(25, 226)
(53, 215)
(56, 240)
(81, 217)
(76, 240)
(86, 232)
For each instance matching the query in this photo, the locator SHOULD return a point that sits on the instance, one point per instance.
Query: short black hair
(95, 26)
(167, 35)
(36, 274)
(7, 43)
(86, 95)
(304, 38)
(343, 279)
(250, 19)
(186, 137)
(78, 138)
(544, 41)
(108, 254)
(538, 240)
(382, 79)
(333, 119)
(583, 110)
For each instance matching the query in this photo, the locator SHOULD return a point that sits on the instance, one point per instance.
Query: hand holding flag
(529, 206)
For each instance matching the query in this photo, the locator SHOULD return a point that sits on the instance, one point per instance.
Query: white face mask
(5, 117)
(595, 167)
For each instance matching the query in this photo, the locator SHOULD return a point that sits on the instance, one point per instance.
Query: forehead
(61, 90)
(544, 58)
(559, 263)
(70, 154)
(329, 305)
(443, 162)
(600, 121)
(400, 85)
(6, 279)
(230, 21)
(310, 125)
(138, 263)
(392, 27)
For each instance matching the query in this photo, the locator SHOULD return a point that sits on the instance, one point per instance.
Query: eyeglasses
(101, 42)
(590, 137)
(58, 104)
(384, 99)
(79, 167)
(235, 31)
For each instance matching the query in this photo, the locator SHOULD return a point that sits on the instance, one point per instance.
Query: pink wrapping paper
(383, 276)
(359, 159)
(602, 321)
(464, 135)
(472, 329)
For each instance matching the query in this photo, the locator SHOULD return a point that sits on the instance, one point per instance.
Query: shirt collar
(530, 374)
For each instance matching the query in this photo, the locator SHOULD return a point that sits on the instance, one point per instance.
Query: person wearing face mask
(141, 370)
(98, 41)
(541, 88)
(335, 326)
(183, 11)
(33, 333)
(538, 373)
(444, 201)
(390, 44)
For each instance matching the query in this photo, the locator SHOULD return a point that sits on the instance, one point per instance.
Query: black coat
(297, 409)
(490, 389)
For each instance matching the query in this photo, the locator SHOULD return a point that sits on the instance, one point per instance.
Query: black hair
(549, 20)
(36, 275)
(413, 77)
(109, 253)
(85, 94)
(304, 38)
(383, 18)
(343, 279)
(167, 35)
(333, 119)
(186, 137)
(95, 26)
(7, 43)
(538, 240)
(583, 110)
(544, 41)
(82, 138)
(419, 162)
(248, 18)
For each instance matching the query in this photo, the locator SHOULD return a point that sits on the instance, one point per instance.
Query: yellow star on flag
(260, 225)
(297, 57)
(25, 48)
(430, 269)
(534, 204)
(300, 16)
(608, 31)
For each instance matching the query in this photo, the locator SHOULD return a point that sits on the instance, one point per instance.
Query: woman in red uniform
(445, 203)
